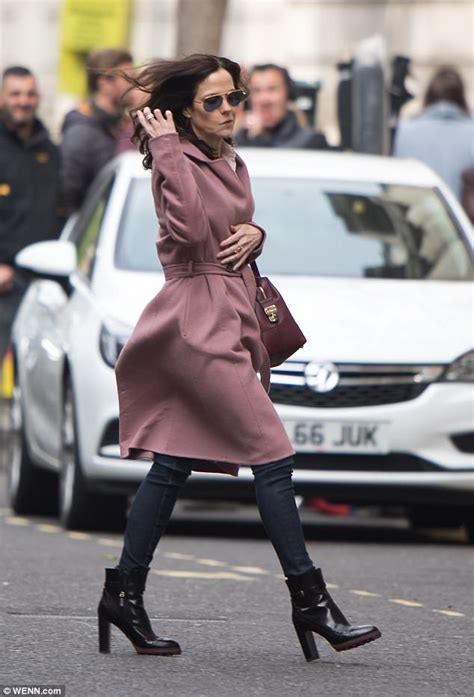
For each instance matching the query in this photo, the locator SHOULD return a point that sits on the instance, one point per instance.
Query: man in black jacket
(271, 123)
(90, 132)
(29, 187)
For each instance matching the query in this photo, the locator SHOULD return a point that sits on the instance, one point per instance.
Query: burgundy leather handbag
(281, 335)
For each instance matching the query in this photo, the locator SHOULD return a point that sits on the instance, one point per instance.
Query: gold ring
(238, 250)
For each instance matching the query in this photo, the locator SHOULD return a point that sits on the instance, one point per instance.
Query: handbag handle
(258, 279)
(254, 267)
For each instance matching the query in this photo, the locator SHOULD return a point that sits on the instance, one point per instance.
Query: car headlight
(113, 336)
(462, 369)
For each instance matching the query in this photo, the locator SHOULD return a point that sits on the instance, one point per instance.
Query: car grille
(360, 385)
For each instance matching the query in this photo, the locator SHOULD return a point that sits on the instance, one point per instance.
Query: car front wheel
(31, 490)
(80, 508)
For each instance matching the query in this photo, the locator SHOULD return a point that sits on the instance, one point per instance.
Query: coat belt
(197, 268)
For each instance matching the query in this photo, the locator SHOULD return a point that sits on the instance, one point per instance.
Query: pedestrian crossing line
(178, 555)
(369, 594)
(79, 535)
(450, 613)
(205, 575)
(47, 527)
(17, 520)
(109, 542)
(407, 603)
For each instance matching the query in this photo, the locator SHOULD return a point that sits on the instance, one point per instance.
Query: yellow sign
(87, 25)
(6, 376)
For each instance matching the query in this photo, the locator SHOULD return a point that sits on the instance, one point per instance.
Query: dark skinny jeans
(156, 496)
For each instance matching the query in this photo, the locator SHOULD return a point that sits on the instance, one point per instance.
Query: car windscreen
(328, 228)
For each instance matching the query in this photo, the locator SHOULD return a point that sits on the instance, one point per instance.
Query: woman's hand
(156, 124)
(238, 247)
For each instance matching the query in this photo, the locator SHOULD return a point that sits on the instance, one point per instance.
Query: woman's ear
(187, 113)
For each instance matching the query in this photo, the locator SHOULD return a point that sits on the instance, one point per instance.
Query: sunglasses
(234, 98)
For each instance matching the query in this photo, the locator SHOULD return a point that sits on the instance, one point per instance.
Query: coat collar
(197, 154)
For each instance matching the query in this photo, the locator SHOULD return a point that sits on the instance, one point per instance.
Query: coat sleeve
(175, 187)
(258, 250)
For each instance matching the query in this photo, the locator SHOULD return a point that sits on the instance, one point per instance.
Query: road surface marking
(408, 603)
(210, 562)
(249, 570)
(208, 575)
(450, 613)
(16, 520)
(46, 527)
(236, 572)
(109, 542)
(367, 593)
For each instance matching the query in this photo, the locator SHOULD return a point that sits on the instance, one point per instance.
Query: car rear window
(328, 228)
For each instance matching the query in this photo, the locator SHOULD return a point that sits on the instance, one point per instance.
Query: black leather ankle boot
(122, 605)
(315, 611)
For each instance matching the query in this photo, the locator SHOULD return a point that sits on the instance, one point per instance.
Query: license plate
(338, 436)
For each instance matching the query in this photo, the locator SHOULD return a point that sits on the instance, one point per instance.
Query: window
(358, 230)
(86, 232)
(136, 243)
(327, 228)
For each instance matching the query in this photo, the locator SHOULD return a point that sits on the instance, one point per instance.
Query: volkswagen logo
(321, 377)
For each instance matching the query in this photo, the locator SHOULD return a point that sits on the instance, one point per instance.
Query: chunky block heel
(307, 642)
(104, 632)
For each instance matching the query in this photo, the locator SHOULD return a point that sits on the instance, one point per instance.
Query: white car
(373, 256)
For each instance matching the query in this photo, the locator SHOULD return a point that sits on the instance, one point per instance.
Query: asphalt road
(217, 588)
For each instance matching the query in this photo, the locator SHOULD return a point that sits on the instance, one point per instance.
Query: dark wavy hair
(172, 84)
(446, 85)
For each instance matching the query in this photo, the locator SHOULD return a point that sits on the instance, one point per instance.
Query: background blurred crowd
(42, 183)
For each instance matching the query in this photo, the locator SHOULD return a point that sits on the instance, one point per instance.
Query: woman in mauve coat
(189, 394)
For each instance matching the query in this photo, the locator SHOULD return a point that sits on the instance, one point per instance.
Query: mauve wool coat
(186, 377)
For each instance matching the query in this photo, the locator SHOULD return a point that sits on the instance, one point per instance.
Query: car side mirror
(48, 258)
(54, 260)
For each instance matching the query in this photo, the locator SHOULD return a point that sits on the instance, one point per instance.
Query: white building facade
(307, 36)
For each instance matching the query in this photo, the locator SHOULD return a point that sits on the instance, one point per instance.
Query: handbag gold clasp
(272, 313)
